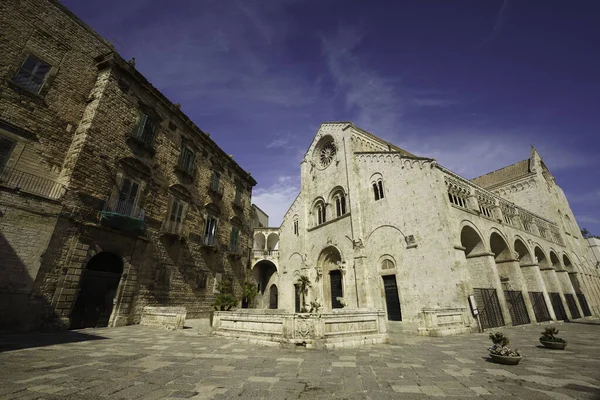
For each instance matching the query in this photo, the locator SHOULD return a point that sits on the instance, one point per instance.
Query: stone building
(376, 227)
(110, 197)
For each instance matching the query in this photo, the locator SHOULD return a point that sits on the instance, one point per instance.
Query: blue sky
(471, 83)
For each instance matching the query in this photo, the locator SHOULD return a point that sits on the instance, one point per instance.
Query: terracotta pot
(505, 359)
(554, 345)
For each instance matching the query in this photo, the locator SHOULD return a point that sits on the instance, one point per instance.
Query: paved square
(137, 362)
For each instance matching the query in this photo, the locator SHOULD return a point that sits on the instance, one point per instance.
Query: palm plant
(304, 283)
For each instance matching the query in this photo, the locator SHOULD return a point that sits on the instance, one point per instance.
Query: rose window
(327, 154)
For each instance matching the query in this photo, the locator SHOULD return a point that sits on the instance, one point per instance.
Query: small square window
(32, 74)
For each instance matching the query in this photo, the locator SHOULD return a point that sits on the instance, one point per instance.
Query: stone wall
(75, 134)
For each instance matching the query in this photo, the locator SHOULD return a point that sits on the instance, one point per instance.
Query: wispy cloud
(499, 22)
(276, 199)
(473, 152)
(587, 219)
(592, 197)
(370, 97)
(432, 102)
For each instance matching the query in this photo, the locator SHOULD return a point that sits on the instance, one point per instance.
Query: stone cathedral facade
(376, 227)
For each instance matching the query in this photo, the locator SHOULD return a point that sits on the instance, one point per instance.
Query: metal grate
(490, 312)
(516, 307)
(557, 305)
(539, 306)
(584, 305)
(572, 305)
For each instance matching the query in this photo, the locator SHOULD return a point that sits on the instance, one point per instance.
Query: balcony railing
(122, 215)
(175, 228)
(29, 183)
(209, 240)
(265, 253)
(216, 188)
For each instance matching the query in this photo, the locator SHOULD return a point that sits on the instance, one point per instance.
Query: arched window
(378, 189)
(387, 264)
(320, 213)
(296, 230)
(338, 197)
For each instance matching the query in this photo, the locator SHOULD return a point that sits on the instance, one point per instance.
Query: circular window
(327, 153)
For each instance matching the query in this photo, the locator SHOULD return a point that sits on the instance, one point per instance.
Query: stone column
(535, 282)
(567, 286)
(512, 270)
(553, 286)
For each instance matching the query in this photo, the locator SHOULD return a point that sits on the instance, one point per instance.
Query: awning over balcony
(122, 222)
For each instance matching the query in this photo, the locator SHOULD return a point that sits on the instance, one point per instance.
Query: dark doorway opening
(557, 305)
(392, 299)
(273, 297)
(337, 292)
(297, 298)
(97, 290)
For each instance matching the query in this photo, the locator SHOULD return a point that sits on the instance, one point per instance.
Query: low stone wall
(164, 317)
(335, 329)
(444, 321)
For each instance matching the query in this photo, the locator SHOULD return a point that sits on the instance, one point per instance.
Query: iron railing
(572, 304)
(584, 305)
(29, 183)
(209, 240)
(516, 307)
(559, 308)
(490, 312)
(123, 207)
(174, 228)
(540, 308)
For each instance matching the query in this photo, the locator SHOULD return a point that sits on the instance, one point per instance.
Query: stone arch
(273, 297)
(97, 290)
(471, 239)
(319, 211)
(381, 227)
(377, 186)
(260, 241)
(567, 263)
(554, 260)
(541, 258)
(499, 246)
(273, 241)
(387, 263)
(525, 257)
(330, 262)
(264, 273)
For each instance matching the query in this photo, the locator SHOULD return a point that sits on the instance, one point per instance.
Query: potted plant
(551, 341)
(500, 352)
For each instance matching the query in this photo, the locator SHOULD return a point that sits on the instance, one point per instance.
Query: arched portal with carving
(330, 265)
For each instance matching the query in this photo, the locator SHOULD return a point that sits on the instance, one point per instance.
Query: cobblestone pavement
(149, 363)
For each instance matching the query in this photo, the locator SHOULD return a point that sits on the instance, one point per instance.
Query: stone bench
(164, 317)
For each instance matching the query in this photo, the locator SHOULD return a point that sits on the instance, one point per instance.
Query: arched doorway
(481, 269)
(329, 262)
(97, 290)
(511, 280)
(264, 274)
(538, 295)
(273, 297)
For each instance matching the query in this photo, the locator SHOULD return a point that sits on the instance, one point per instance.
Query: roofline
(120, 63)
(499, 169)
(261, 210)
(412, 157)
